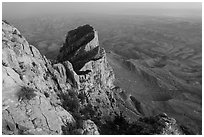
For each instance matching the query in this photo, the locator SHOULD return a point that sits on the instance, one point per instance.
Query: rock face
(73, 95)
(90, 128)
(29, 93)
(96, 77)
(160, 124)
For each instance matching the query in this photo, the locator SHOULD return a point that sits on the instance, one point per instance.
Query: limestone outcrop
(29, 90)
(96, 77)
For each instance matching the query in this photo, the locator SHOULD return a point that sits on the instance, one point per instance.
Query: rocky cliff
(74, 94)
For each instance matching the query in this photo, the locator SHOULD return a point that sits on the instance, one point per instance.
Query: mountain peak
(81, 46)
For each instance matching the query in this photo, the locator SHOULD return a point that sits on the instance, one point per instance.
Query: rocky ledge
(73, 95)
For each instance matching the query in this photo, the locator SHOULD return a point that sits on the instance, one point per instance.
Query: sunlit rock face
(73, 95)
(30, 104)
(96, 77)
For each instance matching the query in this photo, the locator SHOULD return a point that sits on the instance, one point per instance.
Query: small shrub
(88, 112)
(82, 97)
(26, 93)
(67, 129)
(46, 94)
(118, 126)
(34, 64)
(71, 101)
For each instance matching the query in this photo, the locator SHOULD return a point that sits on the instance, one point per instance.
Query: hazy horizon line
(25, 9)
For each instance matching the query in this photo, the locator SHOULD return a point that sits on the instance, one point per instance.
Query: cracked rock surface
(30, 104)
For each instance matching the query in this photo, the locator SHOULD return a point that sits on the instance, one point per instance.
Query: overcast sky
(21, 9)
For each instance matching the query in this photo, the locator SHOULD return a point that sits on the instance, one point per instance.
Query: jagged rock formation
(30, 101)
(73, 95)
(160, 124)
(96, 77)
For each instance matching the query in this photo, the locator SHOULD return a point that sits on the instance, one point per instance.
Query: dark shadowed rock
(81, 46)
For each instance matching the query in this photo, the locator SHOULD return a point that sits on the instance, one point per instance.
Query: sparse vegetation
(46, 94)
(82, 97)
(71, 101)
(68, 129)
(26, 93)
(143, 126)
(119, 126)
(88, 112)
